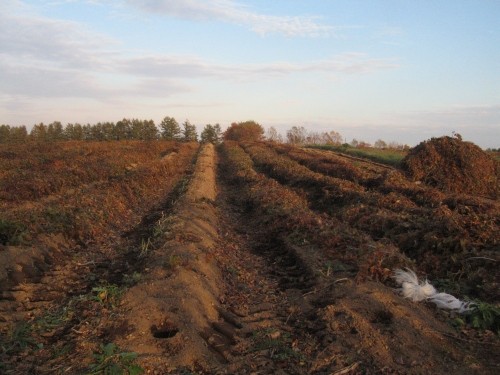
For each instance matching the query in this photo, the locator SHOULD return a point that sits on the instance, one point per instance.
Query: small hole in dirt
(164, 331)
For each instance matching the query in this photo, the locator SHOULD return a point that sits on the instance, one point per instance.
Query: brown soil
(177, 300)
(454, 166)
(220, 289)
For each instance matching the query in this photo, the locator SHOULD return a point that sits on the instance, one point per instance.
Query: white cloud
(193, 67)
(32, 38)
(236, 13)
(44, 58)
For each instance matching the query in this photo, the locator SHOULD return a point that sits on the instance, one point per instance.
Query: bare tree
(273, 135)
(296, 135)
(380, 144)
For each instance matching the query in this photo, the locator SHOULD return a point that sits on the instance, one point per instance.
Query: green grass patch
(111, 360)
(19, 339)
(278, 344)
(383, 156)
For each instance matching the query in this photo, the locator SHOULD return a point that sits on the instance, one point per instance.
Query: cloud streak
(43, 57)
(233, 12)
(193, 67)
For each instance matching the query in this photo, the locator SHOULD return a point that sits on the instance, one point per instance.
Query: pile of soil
(454, 166)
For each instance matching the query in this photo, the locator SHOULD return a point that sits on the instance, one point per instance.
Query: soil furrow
(60, 301)
(234, 273)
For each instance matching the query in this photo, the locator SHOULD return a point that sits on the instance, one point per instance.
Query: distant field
(495, 154)
(384, 156)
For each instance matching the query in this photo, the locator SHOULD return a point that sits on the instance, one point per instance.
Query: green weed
(278, 344)
(19, 339)
(174, 261)
(11, 233)
(485, 316)
(108, 294)
(112, 361)
(58, 220)
(145, 248)
(53, 319)
(131, 280)
(59, 351)
(389, 157)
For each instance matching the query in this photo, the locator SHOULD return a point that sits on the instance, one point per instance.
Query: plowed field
(249, 258)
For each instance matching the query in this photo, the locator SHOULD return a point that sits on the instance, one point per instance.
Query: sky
(396, 70)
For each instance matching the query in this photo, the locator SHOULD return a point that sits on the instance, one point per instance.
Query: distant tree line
(300, 135)
(126, 129)
(170, 129)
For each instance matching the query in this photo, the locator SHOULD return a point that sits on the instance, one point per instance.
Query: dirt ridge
(175, 309)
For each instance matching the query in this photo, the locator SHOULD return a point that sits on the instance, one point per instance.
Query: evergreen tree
(108, 131)
(170, 129)
(55, 131)
(5, 133)
(39, 132)
(150, 131)
(73, 132)
(189, 132)
(212, 134)
(87, 132)
(123, 130)
(18, 134)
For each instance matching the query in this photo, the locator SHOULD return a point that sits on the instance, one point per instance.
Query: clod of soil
(454, 166)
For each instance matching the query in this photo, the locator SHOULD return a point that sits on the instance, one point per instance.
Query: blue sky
(397, 70)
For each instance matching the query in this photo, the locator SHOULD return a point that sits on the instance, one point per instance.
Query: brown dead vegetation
(277, 262)
(454, 166)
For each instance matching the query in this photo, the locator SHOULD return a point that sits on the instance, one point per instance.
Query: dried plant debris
(454, 166)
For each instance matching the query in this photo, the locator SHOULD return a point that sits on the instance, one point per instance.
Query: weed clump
(11, 233)
(454, 166)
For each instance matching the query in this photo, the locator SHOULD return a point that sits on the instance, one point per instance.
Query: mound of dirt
(454, 166)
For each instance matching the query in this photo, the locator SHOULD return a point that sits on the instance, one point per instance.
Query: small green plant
(160, 224)
(485, 316)
(327, 268)
(11, 233)
(112, 361)
(108, 294)
(19, 339)
(53, 319)
(174, 261)
(145, 248)
(61, 350)
(131, 280)
(277, 343)
(58, 219)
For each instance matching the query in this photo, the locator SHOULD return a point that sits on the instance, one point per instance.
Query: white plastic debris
(411, 287)
(449, 302)
(417, 291)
